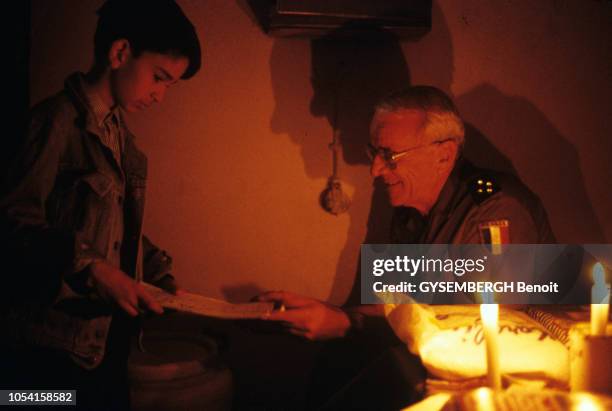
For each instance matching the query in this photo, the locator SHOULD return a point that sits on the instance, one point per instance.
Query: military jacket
(476, 206)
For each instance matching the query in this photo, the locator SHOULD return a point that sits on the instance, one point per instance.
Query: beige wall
(238, 155)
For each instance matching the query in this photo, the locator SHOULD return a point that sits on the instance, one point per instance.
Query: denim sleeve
(36, 253)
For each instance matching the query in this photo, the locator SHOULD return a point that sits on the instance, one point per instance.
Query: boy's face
(138, 82)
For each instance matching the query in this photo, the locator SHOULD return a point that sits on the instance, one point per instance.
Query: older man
(439, 197)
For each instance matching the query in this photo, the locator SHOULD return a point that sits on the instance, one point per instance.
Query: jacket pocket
(95, 197)
(81, 202)
(99, 183)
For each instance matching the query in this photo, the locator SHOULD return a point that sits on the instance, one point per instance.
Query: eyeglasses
(390, 157)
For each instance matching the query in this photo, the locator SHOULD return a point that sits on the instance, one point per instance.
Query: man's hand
(307, 317)
(114, 286)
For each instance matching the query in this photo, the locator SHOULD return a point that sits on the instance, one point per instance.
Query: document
(209, 307)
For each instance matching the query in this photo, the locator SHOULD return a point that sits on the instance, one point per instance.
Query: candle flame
(598, 274)
(489, 313)
(483, 394)
(586, 402)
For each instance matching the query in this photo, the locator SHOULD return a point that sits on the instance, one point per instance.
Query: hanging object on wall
(333, 199)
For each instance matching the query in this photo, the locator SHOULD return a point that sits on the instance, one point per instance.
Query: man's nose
(378, 166)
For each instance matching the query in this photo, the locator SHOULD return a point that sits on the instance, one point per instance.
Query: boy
(71, 212)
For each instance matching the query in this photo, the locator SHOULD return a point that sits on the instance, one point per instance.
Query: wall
(239, 155)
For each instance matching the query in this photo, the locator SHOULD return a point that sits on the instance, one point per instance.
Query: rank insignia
(482, 188)
(495, 233)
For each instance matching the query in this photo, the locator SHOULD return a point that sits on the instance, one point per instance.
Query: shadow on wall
(348, 76)
(547, 162)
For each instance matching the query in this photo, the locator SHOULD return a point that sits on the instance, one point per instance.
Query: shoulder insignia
(494, 233)
(482, 188)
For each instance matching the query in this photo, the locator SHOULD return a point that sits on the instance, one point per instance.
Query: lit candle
(600, 301)
(488, 315)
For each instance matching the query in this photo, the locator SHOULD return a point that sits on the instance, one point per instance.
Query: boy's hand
(168, 283)
(114, 286)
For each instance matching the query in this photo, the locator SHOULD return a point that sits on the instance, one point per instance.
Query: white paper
(206, 306)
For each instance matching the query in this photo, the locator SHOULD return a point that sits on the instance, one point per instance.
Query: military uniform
(476, 206)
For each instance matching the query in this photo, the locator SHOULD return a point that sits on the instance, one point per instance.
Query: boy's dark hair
(158, 26)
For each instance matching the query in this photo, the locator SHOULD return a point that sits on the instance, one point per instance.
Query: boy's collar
(99, 108)
(90, 104)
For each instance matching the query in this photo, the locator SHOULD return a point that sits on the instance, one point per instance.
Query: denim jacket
(59, 201)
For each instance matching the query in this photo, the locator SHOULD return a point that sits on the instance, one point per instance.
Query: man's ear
(447, 154)
(119, 53)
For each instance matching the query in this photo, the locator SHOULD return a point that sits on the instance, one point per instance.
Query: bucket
(178, 372)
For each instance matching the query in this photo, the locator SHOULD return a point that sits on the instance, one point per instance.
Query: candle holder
(590, 357)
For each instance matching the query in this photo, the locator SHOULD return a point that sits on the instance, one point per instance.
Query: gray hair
(442, 118)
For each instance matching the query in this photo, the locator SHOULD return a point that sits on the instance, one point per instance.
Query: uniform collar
(449, 192)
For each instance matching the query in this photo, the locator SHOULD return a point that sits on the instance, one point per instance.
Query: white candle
(488, 315)
(600, 301)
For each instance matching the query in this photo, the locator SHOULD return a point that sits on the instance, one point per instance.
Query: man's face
(414, 182)
(139, 82)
